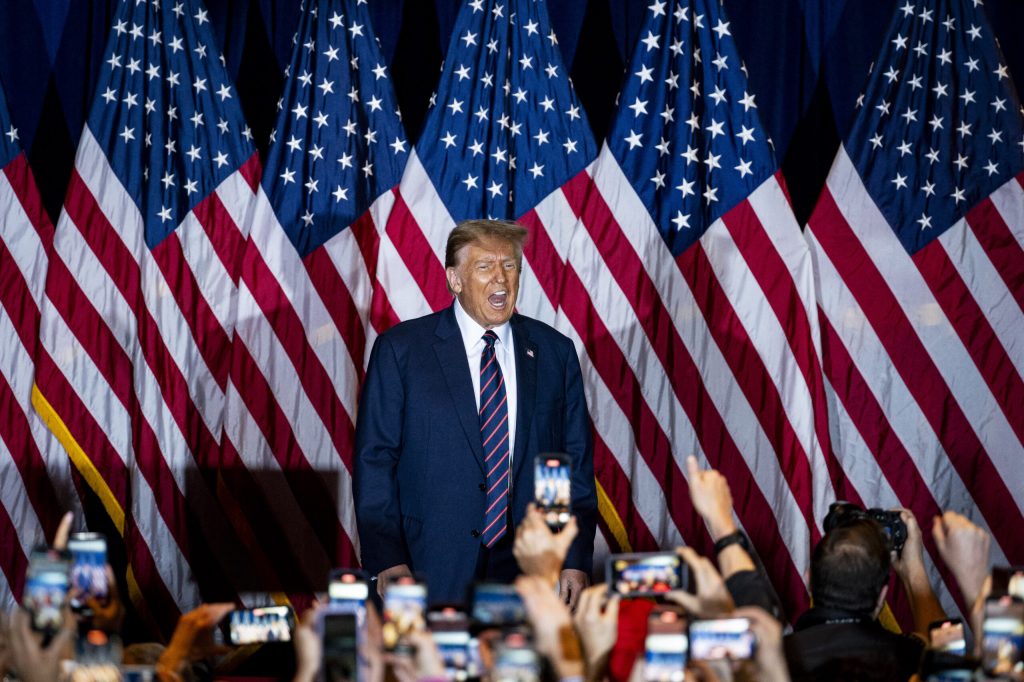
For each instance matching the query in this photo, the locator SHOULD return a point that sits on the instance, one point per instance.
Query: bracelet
(737, 538)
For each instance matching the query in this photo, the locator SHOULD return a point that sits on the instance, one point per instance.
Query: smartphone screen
(1002, 636)
(46, 588)
(256, 626)
(405, 605)
(516, 660)
(88, 568)
(645, 575)
(450, 629)
(552, 489)
(346, 585)
(497, 605)
(666, 646)
(948, 636)
(721, 639)
(341, 647)
(1008, 580)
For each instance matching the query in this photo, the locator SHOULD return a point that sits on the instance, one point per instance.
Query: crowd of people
(604, 636)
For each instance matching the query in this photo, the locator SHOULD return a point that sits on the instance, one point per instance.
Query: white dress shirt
(504, 352)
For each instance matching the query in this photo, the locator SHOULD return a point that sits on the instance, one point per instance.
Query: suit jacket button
(475, 533)
(483, 487)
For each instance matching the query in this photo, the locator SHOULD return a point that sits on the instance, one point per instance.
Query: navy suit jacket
(419, 477)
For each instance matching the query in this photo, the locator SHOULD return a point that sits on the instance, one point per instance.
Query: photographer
(840, 637)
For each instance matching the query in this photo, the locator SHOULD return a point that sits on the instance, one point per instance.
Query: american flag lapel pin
(529, 352)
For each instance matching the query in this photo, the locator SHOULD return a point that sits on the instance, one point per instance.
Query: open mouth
(498, 299)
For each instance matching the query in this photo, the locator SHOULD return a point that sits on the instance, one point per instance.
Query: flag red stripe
(261, 524)
(1000, 245)
(540, 253)
(718, 445)
(974, 330)
(210, 338)
(19, 174)
(17, 435)
(337, 299)
(874, 428)
(306, 483)
(382, 315)
(158, 600)
(923, 380)
(13, 561)
(751, 375)
(228, 243)
(109, 358)
(124, 271)
(83, 427)
(417, 254)
(651, 441)
(252, 170)
(16, 299)
(278, 311)
(619, 490)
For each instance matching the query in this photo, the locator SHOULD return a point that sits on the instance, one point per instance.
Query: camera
(841, 513)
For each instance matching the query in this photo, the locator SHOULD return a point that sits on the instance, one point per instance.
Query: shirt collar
(472, 332)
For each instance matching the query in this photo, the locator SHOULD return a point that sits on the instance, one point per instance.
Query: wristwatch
(737, 538)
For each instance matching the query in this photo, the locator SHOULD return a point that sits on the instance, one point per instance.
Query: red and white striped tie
(494, 432)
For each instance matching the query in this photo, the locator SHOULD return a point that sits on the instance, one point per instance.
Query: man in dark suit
(454, 409)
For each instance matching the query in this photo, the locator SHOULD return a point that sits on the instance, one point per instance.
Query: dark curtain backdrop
(807, 60)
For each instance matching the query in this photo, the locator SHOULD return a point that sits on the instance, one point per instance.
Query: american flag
(690, 286)
(35, 477)
(307, 285)
(917, 240)
(504, 136)
(140, 299)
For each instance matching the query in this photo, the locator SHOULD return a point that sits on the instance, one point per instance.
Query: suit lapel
(526, 386)
(451, 355)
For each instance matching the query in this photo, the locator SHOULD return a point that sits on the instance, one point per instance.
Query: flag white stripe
(739, 418)
(1009, 201)
(425, 205)
(929, 322)
(22, 240)
(903, 412)
(865, 475)
(212, 279)
(988, 289)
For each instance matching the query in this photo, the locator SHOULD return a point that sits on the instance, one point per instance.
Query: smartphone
(138, 673)
(340, 636)
(645, 575)
(88, 569)
(1008, 580)
(942, 666)
(46, 589)
(552, 486)
(259, 626)
(1002, 635)
(450, 629)
(721, 639)
(496, 605)
(516, 660)
(666, 646)
(347, 585)
(948, 636)
(405, 606)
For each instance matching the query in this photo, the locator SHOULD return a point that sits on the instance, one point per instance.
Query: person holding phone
(455, 407)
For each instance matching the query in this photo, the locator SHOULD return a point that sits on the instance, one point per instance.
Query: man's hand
(537, 550)
(553, 633)
(770, 657)
(597, 624)
(308, 647)
(712, 599)
(965, 549)
(909, 565)
(31, 661)
(193, 637)
(571, 584)
(389, 574)
(60, 537)
(709, 492)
